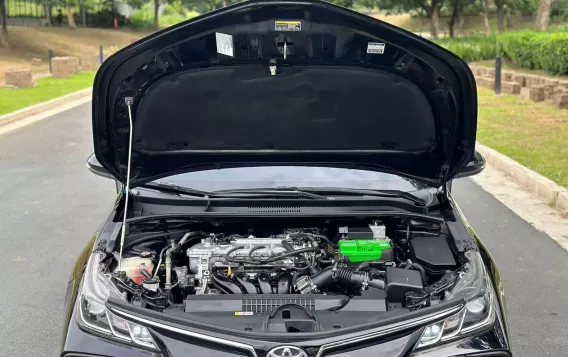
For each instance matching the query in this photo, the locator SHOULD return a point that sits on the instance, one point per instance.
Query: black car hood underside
(315, 91)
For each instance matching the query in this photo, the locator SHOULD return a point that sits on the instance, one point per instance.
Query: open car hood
(284, 83)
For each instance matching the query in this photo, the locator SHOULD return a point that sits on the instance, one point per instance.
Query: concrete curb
(41, 107)
(550, 192)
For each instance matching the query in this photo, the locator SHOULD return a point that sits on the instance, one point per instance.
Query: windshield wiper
(316, 193)
(240, 193)
(365, 192)
(270, 192)
(168, 187)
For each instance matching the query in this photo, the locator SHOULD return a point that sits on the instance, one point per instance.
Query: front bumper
(490, 343)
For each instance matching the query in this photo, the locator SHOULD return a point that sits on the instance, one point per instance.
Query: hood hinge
(444, 172)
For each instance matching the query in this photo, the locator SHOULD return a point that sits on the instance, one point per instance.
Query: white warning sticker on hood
(224, 44)
(376, 48)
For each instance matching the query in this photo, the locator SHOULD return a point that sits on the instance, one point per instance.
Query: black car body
(284, 174)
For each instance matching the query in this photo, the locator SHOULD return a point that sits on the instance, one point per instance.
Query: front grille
(261, 303)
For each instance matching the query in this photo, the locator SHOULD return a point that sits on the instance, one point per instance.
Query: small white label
(244, 313)
(224, 44)
(376, 48)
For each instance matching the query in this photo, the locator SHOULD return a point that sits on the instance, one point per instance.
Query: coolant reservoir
(131, 266)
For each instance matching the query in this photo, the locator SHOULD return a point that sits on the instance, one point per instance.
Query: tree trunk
(47, 9)
(70, 18)
(485, 15)
(224, 3)
(4, 28)
(509, 19)
(156, 14)
(435, 22)
(453, 18)
(543, 15)
(500, 15)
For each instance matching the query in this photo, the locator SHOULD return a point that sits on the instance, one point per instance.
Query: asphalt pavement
(50, 205)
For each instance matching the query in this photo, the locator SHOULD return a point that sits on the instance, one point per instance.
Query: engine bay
(256, 268)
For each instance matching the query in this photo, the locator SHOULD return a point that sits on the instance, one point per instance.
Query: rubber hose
(159, 235)
(377, 284)
(345, 277)
(288, 254)
(363, 266)
(295, 277)
(422, 271)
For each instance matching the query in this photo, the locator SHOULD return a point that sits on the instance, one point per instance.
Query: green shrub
(529, 49)
(172, 14)
(470, 49)
(536, 50)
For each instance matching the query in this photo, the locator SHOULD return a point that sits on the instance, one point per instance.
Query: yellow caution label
(288, 26)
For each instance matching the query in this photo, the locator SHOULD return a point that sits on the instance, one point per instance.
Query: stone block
(534, 93)
(21, 78)
(490, 72)
(549, 89)
(561, 100)
(508, 76)
(485, 82)
(63, 67)
(511, 87)
(519, 78)
(36, 62)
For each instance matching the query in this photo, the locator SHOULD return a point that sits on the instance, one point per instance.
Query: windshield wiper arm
(239, 193)
(168, 187)
(367, 192)
(263, 192)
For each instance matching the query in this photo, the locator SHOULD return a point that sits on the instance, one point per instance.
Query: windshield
(291, 176)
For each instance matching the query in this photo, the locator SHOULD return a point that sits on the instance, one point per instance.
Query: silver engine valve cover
(207, 254)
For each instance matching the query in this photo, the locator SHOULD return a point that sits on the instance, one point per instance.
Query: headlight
(93, 315)
(474, 286)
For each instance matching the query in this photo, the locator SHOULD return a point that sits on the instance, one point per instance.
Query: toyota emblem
(287, 351)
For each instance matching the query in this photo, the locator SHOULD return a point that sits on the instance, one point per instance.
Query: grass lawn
(44, 90)
(534, 134)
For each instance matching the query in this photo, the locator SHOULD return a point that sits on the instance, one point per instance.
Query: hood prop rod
(128, 101)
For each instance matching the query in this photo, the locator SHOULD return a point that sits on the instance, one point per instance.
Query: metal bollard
(49, 58)
(498, 67)
(101, 54)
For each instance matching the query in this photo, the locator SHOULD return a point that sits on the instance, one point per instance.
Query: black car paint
(493, 342)
(443, 79)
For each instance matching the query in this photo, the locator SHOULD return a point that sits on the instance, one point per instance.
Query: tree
(500, 5)
(456, 8)
(70, 16)
(543, 14)
(430, 7)
(4, 25)
(485, 15)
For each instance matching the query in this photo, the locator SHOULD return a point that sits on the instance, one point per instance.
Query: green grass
(534, 134)
(44, 90)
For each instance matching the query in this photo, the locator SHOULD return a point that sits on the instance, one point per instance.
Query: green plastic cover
(362, 250)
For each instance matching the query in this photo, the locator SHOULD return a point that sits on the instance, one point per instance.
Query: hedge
(536, 50)
(471, 49)
(529, 49)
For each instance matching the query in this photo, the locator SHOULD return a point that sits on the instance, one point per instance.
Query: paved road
(50, 205)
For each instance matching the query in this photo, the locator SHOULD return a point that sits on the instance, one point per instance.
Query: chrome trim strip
(348, 341)
(188, 333)
(390, 329)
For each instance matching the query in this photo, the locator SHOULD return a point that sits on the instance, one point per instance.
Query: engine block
(203, 256)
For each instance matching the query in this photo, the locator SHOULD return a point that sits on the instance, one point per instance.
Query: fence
(25, 8)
